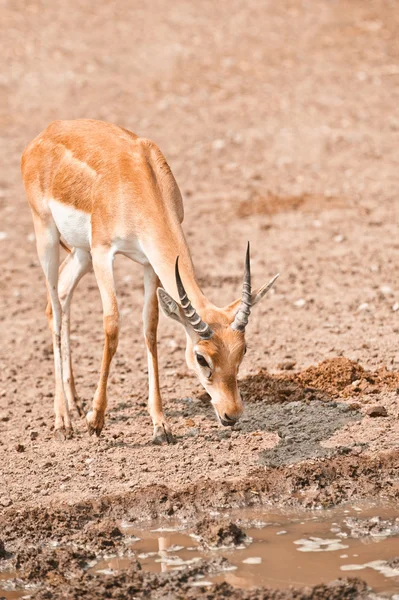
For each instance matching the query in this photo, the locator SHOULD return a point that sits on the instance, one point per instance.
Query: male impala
(107, 191)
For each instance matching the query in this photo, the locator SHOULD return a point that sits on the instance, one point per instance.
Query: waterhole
(280, 549)
(251, 548)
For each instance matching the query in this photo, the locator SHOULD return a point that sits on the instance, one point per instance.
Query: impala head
(216, 341)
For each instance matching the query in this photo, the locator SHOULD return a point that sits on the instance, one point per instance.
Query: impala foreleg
(103, 269)
(47, 241)
(162, 431)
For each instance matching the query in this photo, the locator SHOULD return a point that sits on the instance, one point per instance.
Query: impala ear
(262, 291)
(231, 309)
(170, 308)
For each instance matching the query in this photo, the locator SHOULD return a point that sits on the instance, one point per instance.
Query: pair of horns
(242, 315)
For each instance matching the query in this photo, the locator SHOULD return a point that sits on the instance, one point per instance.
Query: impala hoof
(63, 433)
(95, 423)
(162, 435)
(78, 407)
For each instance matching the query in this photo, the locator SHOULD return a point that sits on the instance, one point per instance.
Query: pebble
(395, 307)
(377, 411)
(287, 365)
(20, 448)
(363, 306)
(300, 303)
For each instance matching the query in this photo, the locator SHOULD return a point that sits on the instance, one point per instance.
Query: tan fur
(134, 206)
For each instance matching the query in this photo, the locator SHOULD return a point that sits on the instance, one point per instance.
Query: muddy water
(279, 550)
(282, 550)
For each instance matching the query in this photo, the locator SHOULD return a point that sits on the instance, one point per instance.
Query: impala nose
(227, 421)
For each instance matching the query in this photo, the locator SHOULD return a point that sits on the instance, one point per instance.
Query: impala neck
(163, 260)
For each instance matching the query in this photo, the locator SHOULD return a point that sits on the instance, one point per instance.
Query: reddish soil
(280, 122)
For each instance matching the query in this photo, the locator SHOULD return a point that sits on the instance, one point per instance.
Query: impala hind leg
(103, 268)
(162, 431)
(48, 249)
(75, 266)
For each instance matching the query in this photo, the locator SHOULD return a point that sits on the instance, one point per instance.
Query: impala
(105, 191)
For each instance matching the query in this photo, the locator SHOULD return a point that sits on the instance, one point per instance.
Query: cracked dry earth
(280, 122)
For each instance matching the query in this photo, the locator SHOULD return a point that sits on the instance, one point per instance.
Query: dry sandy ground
(280, 122)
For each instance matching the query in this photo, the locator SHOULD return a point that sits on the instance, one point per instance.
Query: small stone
(5, 501)
(339, 238)
(363, 306)
(386, 290)
(377, 411)
(189, 423)
(395, 307)
(354, 406)
(300, 303)
(218, 144)
(34, 435)
(287, 365)
(20, 448)
(356, 450)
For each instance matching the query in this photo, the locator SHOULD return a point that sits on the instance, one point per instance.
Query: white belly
(73, 224)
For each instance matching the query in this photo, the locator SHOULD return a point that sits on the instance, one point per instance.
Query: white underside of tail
(74, 225)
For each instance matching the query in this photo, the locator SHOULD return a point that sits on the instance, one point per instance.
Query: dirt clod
(220, 533)
(3, 552)
(377, 411)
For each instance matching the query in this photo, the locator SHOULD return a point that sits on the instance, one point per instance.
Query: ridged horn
(199, 326)
(244, 310)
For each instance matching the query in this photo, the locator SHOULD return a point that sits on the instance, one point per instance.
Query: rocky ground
(281, 124)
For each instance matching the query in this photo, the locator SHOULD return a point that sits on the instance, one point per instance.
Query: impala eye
(201, 361)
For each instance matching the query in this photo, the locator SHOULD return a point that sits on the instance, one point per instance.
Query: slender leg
(162, 431)
(47, 241)
(103, 268)
(75, 266)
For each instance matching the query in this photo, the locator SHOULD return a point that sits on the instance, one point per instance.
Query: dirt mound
(332, 376)
(38, 563)
(220, 533)
(336, 377)
(273, 203)
(273, 388)
(344, 377)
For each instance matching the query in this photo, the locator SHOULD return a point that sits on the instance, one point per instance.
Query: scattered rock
(20, 448)
(377, 411)
(34, 435)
